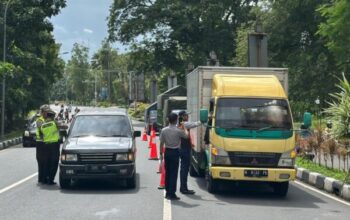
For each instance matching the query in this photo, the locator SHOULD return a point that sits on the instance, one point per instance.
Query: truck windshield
(101, 126)
(255, 114)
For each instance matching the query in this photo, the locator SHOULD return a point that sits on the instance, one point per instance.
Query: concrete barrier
(313, 178)
(337, 187)
(345, 192)
(305, 176)
(9, 143)
(328, 184)
(320, 181)
(300, 173)
(1, 146)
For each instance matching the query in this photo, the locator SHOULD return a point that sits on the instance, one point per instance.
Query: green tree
(32, 48)
(178, 32)
(79, 75)
(335, 30)
(294, 43)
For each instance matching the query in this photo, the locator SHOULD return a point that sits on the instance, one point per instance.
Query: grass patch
(328, 172)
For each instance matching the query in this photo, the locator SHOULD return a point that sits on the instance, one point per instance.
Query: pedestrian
(51, 138)
(185, 151)
(170, 138)
(40, 148)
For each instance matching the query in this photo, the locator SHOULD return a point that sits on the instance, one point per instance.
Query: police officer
(40, 150)
(170, 138)
(185, 151)
(51, 140)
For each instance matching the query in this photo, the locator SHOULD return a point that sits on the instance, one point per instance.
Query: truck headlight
(26, 133)
(121, 157)
(287, 159)
(219, 156)
(69, 157)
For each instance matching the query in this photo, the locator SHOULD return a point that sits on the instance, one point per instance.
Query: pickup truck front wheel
(65, 183)
(131, 182)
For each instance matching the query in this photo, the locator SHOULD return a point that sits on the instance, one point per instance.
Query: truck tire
(131, 182)
(281, 189)
(212, 184)
(65, 183)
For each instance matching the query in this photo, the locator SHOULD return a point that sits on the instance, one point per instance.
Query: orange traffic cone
(162, 176)
(151, 138)
(144, 135)
(153, 155)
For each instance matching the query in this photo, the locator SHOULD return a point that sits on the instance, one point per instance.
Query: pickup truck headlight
(26, 133)
(287, 159)
(69, 157)
(124, 157)
(219, 156)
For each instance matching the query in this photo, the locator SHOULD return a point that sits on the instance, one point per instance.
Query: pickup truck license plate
(256, 173)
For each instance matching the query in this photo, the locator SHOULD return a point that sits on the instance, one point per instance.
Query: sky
(83, 22)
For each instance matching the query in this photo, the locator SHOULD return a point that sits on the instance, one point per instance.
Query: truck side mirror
(137, 134)
(307, 119)
(203, 115)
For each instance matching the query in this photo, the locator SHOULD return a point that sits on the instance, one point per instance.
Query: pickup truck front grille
(96, 157)
(248, 159)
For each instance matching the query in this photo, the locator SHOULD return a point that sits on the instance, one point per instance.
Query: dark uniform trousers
(185, 155)
(41, 157)
(171, 159)
(52, 159)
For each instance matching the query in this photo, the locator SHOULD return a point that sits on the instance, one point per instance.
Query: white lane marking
(166, 208)
(322, 193)
(17, 183)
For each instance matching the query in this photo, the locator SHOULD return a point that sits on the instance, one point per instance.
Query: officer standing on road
(51, 140)
(170, 138)
(40, 148)
(185, 151)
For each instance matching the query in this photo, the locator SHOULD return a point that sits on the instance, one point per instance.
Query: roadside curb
(9, 143)
(327, 184)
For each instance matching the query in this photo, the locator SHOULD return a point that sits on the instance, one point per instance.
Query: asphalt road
(111, 200)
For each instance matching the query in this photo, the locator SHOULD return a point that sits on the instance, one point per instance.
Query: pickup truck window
(253, 114)
(101, 125)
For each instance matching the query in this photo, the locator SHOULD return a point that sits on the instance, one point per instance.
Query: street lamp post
(3, 78)
(317, 102)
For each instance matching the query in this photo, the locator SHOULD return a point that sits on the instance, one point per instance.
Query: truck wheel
(65, 183)
(131, 182)
(281, 189)
(212, 184)
(193, 171)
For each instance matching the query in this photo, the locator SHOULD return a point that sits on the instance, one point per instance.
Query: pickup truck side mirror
(307, 119)
(137, 134)
(63, 133)
(203, 115)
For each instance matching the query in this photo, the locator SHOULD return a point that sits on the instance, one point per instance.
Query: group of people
(47, 145)
(176, 139)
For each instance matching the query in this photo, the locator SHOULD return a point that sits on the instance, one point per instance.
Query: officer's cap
(183, 113)
(44, 108)
(51, 112)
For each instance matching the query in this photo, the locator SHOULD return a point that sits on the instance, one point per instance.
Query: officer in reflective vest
(51, 140)
(40, 150)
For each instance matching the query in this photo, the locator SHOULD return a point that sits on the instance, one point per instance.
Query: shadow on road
(260, 194)
(97, 186)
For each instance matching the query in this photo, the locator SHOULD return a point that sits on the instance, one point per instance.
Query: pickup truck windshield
(253, 114)
(101, 125)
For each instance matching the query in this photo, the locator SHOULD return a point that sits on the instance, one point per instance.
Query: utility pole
(3, 78)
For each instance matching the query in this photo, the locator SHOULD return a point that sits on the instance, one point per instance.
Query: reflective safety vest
(38, 134)
(50, 132)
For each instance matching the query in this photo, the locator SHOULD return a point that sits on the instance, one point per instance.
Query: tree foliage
(31, 48)
(335, 30)
(181, 31)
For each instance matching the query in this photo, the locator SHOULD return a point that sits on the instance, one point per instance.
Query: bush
(140, 110)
